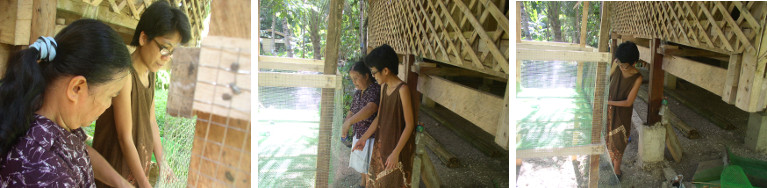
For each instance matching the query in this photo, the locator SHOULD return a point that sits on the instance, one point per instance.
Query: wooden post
(596, 124)
(599, 98)
(519, 22)
(656, 83)
(669, 80)
(584, 22)
(43, 19)
(326, 112)
(502, 132)
(731, 82)
(415, 96)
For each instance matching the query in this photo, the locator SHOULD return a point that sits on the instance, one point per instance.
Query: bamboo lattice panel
(196, 10)
(724, 27)
(471, 34)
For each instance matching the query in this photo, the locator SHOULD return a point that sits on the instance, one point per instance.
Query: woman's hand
(391, 162)
(360, 144)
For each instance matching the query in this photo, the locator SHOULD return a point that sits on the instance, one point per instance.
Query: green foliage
(569, 17)
(163, 80)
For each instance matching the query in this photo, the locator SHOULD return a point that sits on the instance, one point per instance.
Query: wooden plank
(746, 82)
(550, 43)
(502, 132)
(419, 153)
(604, 27)
(216, 58)
(183, 81)
(271, 79)
(445, 156)
(557, 55)
(592, 149)
(554, 47)
(43, 19)
(603, 47)
(672, 143)
(295, 64)
(479, 108)
(706, 76)
(103, 13)
(519, 22)
(656, 83)
(686, 130)
(644, 53)
(429, 173)
(8, 21)
(225, 14)
(15, 21)
(332, 43)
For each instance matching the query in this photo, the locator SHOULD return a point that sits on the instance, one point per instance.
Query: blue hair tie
(46, 46)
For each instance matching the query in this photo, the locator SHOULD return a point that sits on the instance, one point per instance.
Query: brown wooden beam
(326, 113)
(656, 83)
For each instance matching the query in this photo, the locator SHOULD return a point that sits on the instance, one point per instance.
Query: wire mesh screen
(555, 100)
(220, 155)
(293, 121)
(288, 133)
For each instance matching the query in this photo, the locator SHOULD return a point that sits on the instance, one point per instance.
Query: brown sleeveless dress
(619, 118)
(391, 125)
(105, 139)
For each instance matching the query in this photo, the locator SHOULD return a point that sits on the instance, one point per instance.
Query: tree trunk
(577, 28)
(274, 28)
(286, 30)
(553, 14)
(314, 34)
(362, 28)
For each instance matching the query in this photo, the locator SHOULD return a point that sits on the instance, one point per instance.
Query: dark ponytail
(86, 47)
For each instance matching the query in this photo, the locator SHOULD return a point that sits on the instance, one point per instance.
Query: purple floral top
(371, 94)
(47, 156)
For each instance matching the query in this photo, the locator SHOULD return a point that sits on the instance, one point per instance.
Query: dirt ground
(476, 170)
(563, 172)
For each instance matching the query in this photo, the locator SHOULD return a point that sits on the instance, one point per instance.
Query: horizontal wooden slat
(102, 13)
(594, 149)
(559, 55)
(270, 79)
(295, 64)
(706, 76)
(554, 47)
(479, 108)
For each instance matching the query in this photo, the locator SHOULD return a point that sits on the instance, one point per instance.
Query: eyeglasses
(373, 72)
(163, 50)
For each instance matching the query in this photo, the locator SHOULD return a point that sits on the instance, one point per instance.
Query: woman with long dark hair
(49, 92)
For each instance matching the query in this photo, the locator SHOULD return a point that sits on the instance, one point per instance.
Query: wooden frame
(559, 55)
(473, 36)
(592, 149)
(480, 108)
(294, 64)
(270, 79)
(125, 13)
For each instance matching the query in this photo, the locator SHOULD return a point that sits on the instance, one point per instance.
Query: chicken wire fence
(290, 131)
(555, 105)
